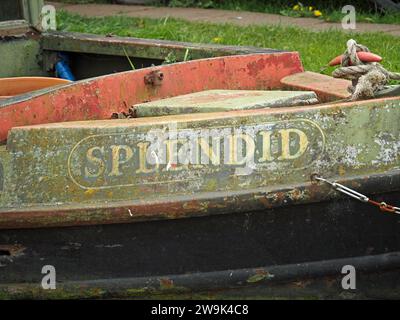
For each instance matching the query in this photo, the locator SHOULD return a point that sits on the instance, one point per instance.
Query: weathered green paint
(32, 11)
(98, 163)
(4, 163)
(21, 53)
(20, 57)
(136, 47)
(224, 100)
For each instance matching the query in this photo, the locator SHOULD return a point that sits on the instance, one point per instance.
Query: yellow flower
(310, 8)
(217, 40)
(317, 13)
(296, 7)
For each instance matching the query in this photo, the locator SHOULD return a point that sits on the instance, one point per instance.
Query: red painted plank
(327, 88)
(98, 98)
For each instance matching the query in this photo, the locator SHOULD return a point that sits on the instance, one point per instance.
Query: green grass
(331, 13)
(316, 48)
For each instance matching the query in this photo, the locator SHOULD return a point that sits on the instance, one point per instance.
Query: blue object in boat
(63, 69)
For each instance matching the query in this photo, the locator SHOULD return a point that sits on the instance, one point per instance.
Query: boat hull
(294, 251)
(70, 191)
(100, 172)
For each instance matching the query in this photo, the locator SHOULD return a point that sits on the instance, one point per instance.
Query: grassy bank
(316, 48)
(330, 12)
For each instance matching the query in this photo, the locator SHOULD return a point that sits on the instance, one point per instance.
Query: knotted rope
(367, 78)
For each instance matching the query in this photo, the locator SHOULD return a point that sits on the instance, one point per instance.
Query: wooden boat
(78, 189)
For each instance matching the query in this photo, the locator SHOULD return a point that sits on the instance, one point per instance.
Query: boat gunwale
(138, 211)
(201, 116)
(56, 89)
(94, 98)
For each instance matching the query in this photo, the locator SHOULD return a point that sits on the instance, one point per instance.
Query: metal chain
(383, 206)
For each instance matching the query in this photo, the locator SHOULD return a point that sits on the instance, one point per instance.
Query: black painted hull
(261, 254)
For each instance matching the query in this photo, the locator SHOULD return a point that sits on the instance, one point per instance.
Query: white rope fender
(367, 78)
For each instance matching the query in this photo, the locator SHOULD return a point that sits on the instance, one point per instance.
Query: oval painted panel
(179, 155)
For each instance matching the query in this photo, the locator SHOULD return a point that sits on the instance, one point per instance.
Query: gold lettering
(214, 157)
(266, 146)
(172, 154)
(95, 161)
(233, 151)
(116, 159)
(143, 148)
(285, 139)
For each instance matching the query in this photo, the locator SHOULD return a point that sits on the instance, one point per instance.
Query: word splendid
(104, 159)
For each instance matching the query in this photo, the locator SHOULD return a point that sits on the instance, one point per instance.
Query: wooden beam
(137, 47)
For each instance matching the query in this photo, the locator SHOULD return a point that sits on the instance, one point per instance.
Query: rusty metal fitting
(154, 78)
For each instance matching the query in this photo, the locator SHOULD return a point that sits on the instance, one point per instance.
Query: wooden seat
(224, 100)
(327, 88)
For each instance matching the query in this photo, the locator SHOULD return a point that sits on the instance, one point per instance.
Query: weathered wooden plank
(327, 88)
(224, 100)
(138, 47)
(13, 28)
